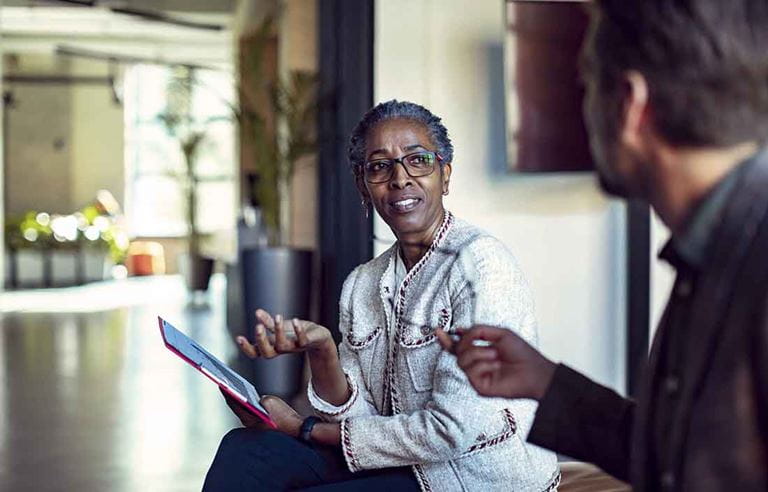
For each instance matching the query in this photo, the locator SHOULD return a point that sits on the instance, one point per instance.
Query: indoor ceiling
(104, 30)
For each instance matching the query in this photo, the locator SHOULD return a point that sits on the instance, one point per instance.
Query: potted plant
(102, 243)
(190, 132)
(28, 238)
(50, 250)
(277, 119)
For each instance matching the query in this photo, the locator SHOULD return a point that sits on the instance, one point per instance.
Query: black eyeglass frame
(360, 170)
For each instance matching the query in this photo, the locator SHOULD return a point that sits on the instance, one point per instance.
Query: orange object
(145, 258)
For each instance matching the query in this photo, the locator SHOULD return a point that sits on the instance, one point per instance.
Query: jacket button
(426, 330)
(671, 385)
(668, 480)
(684, 288)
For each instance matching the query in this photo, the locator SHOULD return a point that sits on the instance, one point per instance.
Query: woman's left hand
(285, 417)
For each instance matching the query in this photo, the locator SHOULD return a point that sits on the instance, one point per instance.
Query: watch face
(305, 433)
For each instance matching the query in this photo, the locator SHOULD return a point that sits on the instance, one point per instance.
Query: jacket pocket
(362, 343)
(417, 333)
(501, 428)
(420, 349)
(421, 361)
(359, 339)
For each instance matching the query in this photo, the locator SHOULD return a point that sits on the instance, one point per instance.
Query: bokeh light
(30, 235)
(43, 219)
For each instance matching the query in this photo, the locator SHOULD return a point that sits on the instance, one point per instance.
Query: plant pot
(9, 267)
(64, 268)
(197, 271)
(93, 265)
(278, 280)
(235, 308)
(30, 268)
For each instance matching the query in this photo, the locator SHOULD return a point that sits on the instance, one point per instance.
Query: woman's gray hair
(392, 110)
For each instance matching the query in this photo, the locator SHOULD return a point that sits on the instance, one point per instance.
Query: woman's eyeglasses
(417, 164)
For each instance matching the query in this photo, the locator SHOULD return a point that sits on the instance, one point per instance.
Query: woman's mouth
(405, 205)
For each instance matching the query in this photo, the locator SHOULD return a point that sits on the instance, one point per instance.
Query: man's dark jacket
(717, 431)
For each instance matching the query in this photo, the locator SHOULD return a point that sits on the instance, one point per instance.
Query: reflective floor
(90, 398)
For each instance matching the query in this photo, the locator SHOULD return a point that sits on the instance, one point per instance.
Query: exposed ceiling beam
(147, 14)
(43, 29)
(118, 57)
(202, 6)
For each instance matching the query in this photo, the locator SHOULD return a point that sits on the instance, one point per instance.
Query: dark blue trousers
(253, 459)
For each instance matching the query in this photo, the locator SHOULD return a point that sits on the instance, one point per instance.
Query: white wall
(65, 141)
(298, 51)
(569, 239)
(97, 130)
(662, 274)
(38, 138)
(3, 266)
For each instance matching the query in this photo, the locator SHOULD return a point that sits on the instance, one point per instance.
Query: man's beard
(602, 144)
(611, 185)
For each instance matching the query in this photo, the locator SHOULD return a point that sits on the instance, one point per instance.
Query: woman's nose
(400, 177)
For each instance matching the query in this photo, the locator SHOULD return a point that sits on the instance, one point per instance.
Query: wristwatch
(305, 432)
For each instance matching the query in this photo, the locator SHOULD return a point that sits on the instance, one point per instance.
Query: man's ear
(635, 110)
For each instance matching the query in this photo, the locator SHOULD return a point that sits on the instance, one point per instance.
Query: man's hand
(282, 414)
(505, 366)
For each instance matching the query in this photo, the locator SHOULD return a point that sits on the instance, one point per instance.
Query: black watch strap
(305, 433)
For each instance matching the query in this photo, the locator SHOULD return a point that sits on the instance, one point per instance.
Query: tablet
(227, 379)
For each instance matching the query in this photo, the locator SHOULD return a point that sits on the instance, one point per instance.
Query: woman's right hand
(275, 336)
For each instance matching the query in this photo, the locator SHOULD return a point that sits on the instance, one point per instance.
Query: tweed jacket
(410, 403)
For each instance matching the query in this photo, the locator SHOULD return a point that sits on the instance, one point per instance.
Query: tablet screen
(210, 365)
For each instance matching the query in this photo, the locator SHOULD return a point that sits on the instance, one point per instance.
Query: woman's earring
(365, 208)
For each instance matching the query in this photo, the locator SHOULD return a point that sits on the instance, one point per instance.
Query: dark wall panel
(346, 84)
(638, 291)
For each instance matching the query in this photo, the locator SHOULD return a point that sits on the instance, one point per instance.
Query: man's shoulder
(749, 202)
(744, 233)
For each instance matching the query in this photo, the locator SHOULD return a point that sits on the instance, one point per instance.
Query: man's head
(685, 73)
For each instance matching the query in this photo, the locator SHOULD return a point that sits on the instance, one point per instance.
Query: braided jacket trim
(511, 427)
(439, 237)
(346, 445)
(312, 396)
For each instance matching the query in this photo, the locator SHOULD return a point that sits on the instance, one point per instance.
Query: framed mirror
(544, 93)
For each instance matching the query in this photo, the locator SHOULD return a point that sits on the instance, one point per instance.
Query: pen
(455, 336)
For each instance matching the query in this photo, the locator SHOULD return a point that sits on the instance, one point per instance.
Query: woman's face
(408, 205)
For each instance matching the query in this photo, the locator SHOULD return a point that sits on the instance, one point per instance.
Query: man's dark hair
(706, 63)
(392, 110)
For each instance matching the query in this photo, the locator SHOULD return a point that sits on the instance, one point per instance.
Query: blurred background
(187, 159)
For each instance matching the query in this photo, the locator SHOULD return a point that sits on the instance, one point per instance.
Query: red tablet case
(240, 398)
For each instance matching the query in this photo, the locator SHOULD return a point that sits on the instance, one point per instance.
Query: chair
(585, 477)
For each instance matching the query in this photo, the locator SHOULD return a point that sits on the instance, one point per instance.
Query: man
(677, 108)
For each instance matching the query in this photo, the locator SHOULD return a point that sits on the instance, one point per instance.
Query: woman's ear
(362, 189)
(447, 169)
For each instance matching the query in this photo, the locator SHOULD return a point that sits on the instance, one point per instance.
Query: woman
(396, 410)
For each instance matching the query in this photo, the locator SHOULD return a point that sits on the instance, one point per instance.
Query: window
(155, 203)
